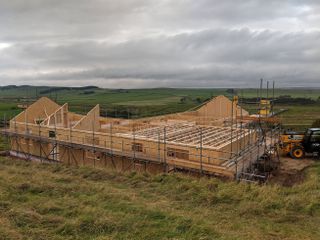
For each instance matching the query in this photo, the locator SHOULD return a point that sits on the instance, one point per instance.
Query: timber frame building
(210, 139)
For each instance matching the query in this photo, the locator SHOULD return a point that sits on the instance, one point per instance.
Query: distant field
(297, 117)
(8, 110)
(295, 93)
(135, 103)
(300, 117)
(76, 93)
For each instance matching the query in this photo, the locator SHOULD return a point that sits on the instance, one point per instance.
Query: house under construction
(217, 138)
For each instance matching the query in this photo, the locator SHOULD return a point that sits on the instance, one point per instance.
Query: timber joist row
(210, 139)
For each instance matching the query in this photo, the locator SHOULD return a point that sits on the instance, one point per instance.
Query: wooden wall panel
(91, 121)
(221, 107)
(42, 108)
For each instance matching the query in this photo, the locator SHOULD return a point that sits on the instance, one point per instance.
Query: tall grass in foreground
(39, 201)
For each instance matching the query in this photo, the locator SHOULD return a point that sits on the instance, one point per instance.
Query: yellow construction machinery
(296, 144)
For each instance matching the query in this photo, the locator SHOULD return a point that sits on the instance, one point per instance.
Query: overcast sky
(160, 43)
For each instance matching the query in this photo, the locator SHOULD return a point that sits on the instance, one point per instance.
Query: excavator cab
(311, 140)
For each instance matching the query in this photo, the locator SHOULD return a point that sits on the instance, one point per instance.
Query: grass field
(298, 117)
(8, 110)
(33, 92)
(39, 201)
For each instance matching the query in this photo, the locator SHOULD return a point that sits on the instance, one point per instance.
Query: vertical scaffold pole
(122, 150)
(55, 156)
(40, 139)
(69, 147)
(259, 119)
(231, 130)
(93, 143)
(201, 165)
(25, 122)
(238, 152)
(242, 138)
(111, 142)
(134, 142)
(272, 97)
(159, 154)
(165, 149)
(15, 134)
(27, 137)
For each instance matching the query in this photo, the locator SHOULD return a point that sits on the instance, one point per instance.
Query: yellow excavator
(297, 144)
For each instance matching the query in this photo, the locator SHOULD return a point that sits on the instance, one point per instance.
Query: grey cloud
(181, 43)
(60, 19)
(211, 46)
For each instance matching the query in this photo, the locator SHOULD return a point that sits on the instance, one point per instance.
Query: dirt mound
(291, 171)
